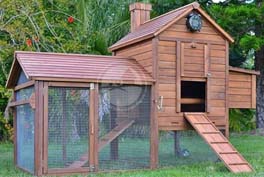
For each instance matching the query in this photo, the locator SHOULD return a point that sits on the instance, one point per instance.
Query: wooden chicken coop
(78, 113)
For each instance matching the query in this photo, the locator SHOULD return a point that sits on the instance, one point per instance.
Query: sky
(217, 1)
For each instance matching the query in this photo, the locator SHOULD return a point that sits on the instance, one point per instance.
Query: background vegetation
(90, 26)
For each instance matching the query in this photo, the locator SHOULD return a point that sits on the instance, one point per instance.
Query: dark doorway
(193, 96)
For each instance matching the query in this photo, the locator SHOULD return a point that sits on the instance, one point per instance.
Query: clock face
(194, 22)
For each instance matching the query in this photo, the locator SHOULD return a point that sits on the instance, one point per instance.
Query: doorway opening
(193, 96)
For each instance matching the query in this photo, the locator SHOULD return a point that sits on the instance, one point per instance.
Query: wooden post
(93, 127)
(45, 127)
(179, 56)
(207, 53)
(38, 127)
(15, 129)
(96, 127)
(226, 94)
(154, 131)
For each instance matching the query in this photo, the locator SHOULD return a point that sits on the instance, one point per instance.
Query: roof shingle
(41, 65)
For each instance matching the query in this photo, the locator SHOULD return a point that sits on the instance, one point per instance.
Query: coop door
(194, 60)
(195, 80)
(67, 127)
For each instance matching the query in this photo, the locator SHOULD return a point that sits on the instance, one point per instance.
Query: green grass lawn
(250, 146)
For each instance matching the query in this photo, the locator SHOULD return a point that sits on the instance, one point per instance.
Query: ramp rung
(241, 163)
(225, 151)
(202, 123)
(230, 152)
(218, 142)
(216, 132)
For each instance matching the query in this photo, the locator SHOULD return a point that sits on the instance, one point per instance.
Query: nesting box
(78, 113)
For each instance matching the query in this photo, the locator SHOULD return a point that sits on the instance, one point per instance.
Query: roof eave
(242, 70)
(63, 79)
(130, 42)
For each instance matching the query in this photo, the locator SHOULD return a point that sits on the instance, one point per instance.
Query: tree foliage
(90, 26)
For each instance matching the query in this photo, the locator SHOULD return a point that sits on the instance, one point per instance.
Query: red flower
(70, 19)
(29, 42)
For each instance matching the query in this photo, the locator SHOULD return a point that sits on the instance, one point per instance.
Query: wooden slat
(154, 130)
(115, 133)
(24, 85)
(20, 102)
(206, 60)
(90, 155)
(192, 101)
(108, 138)
(253, 92)
(38, 133)
(182, 59)
(229, 156)
(45, 128)
(178, 77)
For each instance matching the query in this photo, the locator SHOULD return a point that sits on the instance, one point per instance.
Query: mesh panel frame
(68, 125)
(121, 105)
(25, 137)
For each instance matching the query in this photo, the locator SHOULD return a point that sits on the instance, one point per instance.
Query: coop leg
(177, 148)
(114, 149)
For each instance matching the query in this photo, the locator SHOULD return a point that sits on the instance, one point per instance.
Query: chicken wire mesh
(183, 148)
(124, 121)
(25, 137)
(68, 124)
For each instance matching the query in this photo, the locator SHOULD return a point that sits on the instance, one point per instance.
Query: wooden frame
(178, 76)
(92, 134)
(14, 104)
(227, 90)
(154, 133)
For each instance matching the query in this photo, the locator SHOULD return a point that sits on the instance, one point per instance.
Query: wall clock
(194, 22)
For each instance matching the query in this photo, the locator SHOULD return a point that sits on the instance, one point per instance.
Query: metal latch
(160, 103)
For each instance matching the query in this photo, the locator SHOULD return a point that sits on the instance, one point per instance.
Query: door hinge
(92, 86)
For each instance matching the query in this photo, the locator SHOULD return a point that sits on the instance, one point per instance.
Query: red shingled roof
(78, 67)
(156, 25)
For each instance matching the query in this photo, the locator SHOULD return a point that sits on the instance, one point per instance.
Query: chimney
(139, 13)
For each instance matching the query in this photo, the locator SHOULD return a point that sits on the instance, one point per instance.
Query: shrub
(6, 129)
(242, 119)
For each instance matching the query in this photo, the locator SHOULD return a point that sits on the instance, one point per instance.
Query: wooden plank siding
(242, 90)
(180, 31)
(204, 58)
(142, 52)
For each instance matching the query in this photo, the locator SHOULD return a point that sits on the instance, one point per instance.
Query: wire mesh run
(182, 148)
(68, 123)
(25, 137)
(124, 127)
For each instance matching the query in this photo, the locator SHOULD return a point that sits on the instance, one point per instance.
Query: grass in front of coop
(251, 146)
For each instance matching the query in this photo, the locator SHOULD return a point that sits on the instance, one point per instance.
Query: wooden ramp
(108, 138)
(232, 159)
